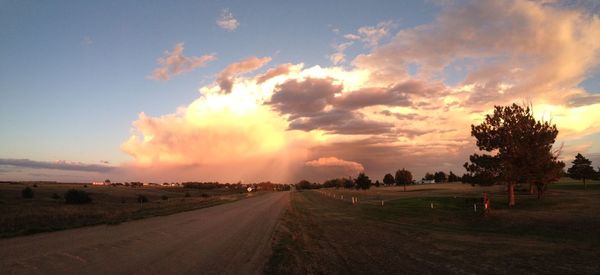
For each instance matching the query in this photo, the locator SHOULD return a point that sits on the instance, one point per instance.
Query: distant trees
(347, 183)
(520, 147)
(27, 193)
(403, 177)
(388, 179)
(440, 177)
(362, 182)
(582, 169)
(332, 183)
(304, 184)
(202, 185)
(452, 177)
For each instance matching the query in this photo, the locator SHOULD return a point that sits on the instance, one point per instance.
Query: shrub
(142, 199)
(204, 195)
(85, 186)
(34, 185)
(74, 196)
(164, 197)
(55, 196)
(187, 194)
(27, 193)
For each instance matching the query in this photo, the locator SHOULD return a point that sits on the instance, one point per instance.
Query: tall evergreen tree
(403, 177)
(582, 169)
(362, 182)
(388, 179)
(521, 147)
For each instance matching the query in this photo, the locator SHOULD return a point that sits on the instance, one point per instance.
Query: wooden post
(511, 194)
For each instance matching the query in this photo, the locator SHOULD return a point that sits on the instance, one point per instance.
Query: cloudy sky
(233, 90)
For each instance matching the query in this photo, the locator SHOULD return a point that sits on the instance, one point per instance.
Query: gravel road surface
(232, 238)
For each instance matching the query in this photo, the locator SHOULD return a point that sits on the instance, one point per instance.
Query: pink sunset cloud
(175, 63)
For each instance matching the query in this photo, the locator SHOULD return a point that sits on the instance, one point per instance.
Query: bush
(85, 186)
(204, 195)
(164, 197)
(142, 199)
(74, 196)
(187, 194)
(34, 185)
(55, 196)
(27, 193)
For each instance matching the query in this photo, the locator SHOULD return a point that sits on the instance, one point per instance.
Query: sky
(265, 91)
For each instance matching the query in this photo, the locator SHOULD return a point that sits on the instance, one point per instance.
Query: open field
(321, 233)
(110, 205)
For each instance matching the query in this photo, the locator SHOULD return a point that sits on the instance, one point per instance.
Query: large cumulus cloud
(292, 122)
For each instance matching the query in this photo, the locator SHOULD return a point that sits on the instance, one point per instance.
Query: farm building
(424, 181)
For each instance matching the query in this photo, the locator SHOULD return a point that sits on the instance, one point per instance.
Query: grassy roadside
(322, 235)
(110, 205)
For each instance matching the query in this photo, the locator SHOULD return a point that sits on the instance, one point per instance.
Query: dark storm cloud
(379, 156)
(338, 121)
(304, 98)
(583, 100)
(372, 97)
(400, 116)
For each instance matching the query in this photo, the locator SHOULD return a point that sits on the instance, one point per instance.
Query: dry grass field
(321, 233)
(110, 205)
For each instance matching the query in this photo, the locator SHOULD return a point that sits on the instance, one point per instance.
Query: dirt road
(231, 238)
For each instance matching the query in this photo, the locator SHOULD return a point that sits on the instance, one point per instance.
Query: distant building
(100, 183)
(424, 181)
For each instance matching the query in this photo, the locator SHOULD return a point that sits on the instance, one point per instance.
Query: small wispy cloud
(87, 41)
(175, 63)
(227, 21)
(339, 56)
(371, 35)
(56, 165)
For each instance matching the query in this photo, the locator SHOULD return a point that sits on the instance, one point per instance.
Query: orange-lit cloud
(175, 63)
(225, 77)
(353, 167)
